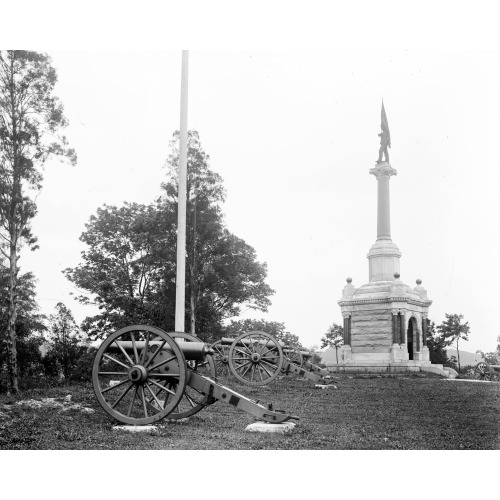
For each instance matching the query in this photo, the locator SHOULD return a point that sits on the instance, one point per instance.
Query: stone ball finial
(397, 275)
(349, 280)
(419, 282)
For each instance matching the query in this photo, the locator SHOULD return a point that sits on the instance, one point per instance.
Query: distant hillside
(466, 358)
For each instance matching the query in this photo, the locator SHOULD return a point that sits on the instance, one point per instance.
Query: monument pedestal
(345, 354)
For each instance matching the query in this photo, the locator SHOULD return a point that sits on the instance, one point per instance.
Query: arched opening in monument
(411, 336)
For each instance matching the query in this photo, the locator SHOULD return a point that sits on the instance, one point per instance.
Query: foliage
(223, 272)
(65, 339)
(453, 330)
(29, 325)
(436, 344)
(82, 369)
(492, 358)
(31, 118)
(130, 262)
(274, 328)
(333, 338)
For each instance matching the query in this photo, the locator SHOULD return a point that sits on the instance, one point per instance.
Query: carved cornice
(410, 301)
(383, 169)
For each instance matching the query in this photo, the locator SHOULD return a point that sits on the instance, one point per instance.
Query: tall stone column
(384, 255)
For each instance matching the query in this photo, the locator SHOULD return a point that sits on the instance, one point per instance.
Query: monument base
(396, 367)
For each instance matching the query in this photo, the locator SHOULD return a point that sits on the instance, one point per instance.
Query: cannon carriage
(256, 358)
(142, 374)
(485, 371)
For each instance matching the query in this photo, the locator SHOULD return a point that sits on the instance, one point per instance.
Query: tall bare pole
(180, 287)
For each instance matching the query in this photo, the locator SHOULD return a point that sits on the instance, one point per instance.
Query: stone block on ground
(136, 428)
(325, 386)
(283, 428)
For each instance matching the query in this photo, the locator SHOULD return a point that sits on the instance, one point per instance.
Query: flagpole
(180, 288)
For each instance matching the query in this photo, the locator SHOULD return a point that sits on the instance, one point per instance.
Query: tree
(453, 330)
(29, 326)
(31, 118)
(436, 344)
(492, 358)
(333, 338)
(274, 328)
(129, 266)
(65, 339)
(223, 272)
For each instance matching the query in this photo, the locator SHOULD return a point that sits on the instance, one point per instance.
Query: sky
(293, 135)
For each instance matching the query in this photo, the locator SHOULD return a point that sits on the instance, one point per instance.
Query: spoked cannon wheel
(293, 354)
(221, 358)
(124, 381)
(482, 371)
(192, 401)
(255, 358)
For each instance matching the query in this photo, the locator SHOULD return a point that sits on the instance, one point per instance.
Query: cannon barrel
(193, 351)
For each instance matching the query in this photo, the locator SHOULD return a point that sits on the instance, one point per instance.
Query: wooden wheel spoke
(190, 400)
(143, 399)
(124, 352)
(243, 364)
(134, 346)
(272, 365)
(265, 369)
(246, 371)
(245, 347)
(122, 395)
(115, 386)
(245, 354)
(269, 350)
(158, 402)
(155, 354)
(107, 356)
(161, 363)
(132, 402)
(112, 373)
(163, 388)
(145, 350)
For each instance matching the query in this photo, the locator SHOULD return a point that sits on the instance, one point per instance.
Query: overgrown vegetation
(31, 120)
(130, 261)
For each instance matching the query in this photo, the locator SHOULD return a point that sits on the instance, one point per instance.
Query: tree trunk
(337, 354)
(12, 381)
(458, 357)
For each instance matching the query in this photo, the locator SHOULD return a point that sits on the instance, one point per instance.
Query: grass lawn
(366, 412)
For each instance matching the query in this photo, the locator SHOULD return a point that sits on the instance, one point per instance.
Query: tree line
(128, 267)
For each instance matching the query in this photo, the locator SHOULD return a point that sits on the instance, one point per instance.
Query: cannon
(257, 358)
(142, 374)
(485, 371)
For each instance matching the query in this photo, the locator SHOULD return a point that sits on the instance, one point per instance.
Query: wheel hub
(138, 374)
(255, 357)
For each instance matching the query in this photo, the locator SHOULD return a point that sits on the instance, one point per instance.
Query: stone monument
(385, 320)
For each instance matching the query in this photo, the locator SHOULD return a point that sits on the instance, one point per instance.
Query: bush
(82, 370)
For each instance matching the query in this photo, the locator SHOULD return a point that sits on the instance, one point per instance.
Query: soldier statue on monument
(385, 138)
